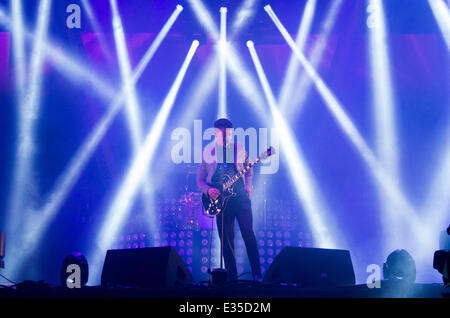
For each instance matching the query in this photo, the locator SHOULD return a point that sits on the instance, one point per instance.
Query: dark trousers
(239, 208)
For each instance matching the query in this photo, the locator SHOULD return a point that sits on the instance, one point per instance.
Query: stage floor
(240, 289)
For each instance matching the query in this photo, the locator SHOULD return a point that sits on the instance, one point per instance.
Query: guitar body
(226, 187)
(214, 207)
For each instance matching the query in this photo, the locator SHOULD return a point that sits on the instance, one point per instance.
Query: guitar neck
(238, 175)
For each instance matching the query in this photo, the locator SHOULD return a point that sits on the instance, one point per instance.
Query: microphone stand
(220, 275)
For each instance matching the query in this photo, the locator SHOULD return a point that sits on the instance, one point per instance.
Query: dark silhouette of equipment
(441, 260)
(401, 266)
(311, 267)
(152, 267)
(74, 259)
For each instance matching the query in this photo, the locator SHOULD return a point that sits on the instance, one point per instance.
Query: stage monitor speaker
(152, 267)
(311, 267)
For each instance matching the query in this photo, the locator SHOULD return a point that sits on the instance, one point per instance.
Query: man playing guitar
(222, 159)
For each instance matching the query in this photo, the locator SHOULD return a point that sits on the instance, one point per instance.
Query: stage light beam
(441, 13)
(315, 211)
(303, 85)
(141, 164)
(19, 47)
(386, 183)
(66, 64)
(245, 12)
(132, 104)
(290, 78)
(97, 29)
(38, 222)
(223, 72)
(205, 18)
(22, 187)
(202, 88)
(133, 108)
(384, 114)
(19, 61)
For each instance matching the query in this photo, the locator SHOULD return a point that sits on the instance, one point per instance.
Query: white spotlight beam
(76, 165)
(384, 114)
(223, 54)
(66, 64)
(132, 104)
(64, 184)
(18, 40)
(247, 86)
(381, 176)
(303, 86)
(234, 62)
(293, 66)
(383, 96)
(202, 88)
(437, 200)
(28, 113)
(141, 163)
(19, 61)
(305, 188)
(244, 81)
(441, 13)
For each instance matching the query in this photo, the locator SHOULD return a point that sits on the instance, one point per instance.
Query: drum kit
(190, 204)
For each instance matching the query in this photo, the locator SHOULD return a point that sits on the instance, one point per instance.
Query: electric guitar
(214, 207)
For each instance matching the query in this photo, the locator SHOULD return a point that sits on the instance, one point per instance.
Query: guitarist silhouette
(222, 160)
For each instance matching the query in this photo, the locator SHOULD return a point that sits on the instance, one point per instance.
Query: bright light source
(250, 44)
(315, 210)
(141, 164)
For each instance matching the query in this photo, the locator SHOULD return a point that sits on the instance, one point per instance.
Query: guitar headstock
(269, 152)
